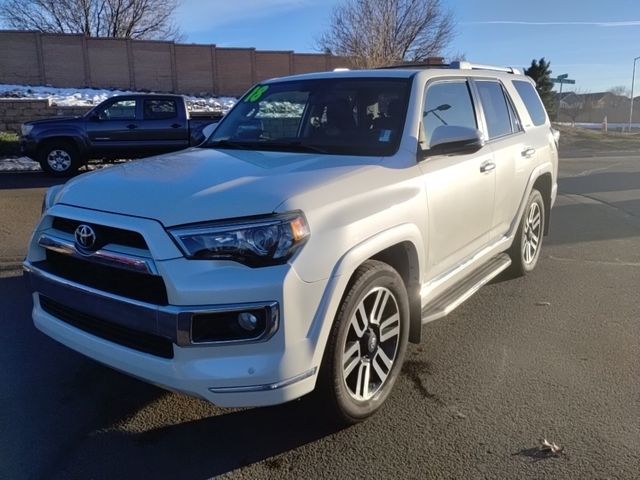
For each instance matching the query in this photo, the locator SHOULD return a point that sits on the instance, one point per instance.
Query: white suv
(326, 219)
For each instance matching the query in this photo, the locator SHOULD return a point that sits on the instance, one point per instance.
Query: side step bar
(444, 304)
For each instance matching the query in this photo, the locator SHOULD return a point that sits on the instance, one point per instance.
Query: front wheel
(526, 247)
(367, 343)
(60, 159)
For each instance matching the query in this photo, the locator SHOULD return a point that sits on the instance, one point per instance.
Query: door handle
(487, 167)
(176, 125)
(132, 126)
(528, 152)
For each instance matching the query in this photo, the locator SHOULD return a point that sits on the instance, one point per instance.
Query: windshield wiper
(295, 146)
(224, 143)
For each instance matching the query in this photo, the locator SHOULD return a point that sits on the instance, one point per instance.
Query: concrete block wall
(65, 60)
(14, 112)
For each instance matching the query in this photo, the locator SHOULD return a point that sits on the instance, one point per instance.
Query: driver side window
(120, 110)
(447, 103)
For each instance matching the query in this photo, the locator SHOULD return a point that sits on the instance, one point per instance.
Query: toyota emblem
(85, 237)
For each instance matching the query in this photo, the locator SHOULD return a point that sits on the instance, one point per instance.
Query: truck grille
(127, 337)
(138, 286)
(104, 234)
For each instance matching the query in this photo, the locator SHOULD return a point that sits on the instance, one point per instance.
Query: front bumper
(28, 147)
(265, 372)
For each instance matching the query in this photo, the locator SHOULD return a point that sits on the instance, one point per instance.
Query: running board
(451, 299)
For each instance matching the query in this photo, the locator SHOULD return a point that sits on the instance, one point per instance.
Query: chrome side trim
(460, 267)
(103, 257)
(266, 387)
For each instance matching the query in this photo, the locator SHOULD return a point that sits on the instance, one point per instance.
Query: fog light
(248, 321)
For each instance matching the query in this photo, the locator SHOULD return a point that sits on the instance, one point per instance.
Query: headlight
(256, 242)
(49, 199)
(26, 129)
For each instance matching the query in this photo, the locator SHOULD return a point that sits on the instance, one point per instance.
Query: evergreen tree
(540, 72)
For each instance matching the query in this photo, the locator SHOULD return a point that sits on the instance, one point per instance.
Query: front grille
(127, 337)
(104, 235)
(138, 286)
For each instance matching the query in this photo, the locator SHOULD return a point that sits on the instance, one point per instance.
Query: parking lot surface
(553, 355)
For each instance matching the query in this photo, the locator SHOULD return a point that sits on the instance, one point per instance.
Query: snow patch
(87, 97)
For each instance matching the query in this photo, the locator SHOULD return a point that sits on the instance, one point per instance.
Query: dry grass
(581, 141)
(9, 144)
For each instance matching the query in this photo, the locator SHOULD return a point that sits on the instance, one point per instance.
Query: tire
(527, 245)
(59, 158)
(358, 346)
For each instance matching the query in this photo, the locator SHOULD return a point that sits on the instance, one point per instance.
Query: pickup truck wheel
(526, 247)
(367, 343)
(59, 159)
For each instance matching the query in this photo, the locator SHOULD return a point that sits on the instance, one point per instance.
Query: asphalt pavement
(553, 355)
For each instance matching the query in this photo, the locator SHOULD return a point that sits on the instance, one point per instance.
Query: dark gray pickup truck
(125, 126)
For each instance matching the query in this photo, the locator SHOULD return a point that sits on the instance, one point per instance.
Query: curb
(10, 266)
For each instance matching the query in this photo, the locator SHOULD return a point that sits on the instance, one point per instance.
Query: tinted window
(159, 109)
(496, 110)
(120, 110)
(532, 101)
(447, 103)
(355, 116)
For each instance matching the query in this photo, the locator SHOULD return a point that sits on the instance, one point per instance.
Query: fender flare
(322, 322)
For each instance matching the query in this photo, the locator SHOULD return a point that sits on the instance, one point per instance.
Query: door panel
(162, 129)
(460, 188)
(460, 207)
(113, 129)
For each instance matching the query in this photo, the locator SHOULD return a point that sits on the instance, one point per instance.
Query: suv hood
(198, 184)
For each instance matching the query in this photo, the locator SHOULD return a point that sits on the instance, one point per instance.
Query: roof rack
(478, 66)
(430, 62)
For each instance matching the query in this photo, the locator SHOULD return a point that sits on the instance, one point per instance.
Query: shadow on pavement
(71, 417)
(17, 180)
(600, 182)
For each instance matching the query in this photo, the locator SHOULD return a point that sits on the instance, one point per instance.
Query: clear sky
(594, 41)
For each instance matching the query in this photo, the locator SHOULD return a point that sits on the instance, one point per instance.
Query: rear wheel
(367, 344)
(526, 247)
(59, 158)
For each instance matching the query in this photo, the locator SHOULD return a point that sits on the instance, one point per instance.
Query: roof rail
(478, 66)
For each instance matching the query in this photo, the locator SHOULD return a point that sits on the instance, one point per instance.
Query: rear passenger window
(532, 101)
(447, 103)
(159, 109)
(496, 109)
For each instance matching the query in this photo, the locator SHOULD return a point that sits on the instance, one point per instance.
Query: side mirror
(454, 140)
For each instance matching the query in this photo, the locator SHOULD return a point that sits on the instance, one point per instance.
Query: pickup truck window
(159, 109)
(447, 103)
(349, 116)
(120, 110)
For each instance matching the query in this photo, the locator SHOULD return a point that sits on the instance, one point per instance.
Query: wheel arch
(544, 185)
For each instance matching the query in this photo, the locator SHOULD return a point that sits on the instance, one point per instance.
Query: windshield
(354, 116)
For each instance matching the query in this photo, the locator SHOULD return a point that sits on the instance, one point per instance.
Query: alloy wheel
(371, 344)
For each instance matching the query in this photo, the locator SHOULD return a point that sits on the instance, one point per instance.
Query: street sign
(563, 76)
(563, 80)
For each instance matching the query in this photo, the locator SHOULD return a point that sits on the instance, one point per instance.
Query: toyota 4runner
(306, 242)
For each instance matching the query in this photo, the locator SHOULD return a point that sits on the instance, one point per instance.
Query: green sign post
(562, 79)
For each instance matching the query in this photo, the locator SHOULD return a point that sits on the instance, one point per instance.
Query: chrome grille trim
(103, 257)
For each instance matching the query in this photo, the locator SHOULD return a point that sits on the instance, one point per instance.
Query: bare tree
(98, 18)
(374, 33)
(620, 90)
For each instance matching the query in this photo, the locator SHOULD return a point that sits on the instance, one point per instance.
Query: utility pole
(633, 81)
